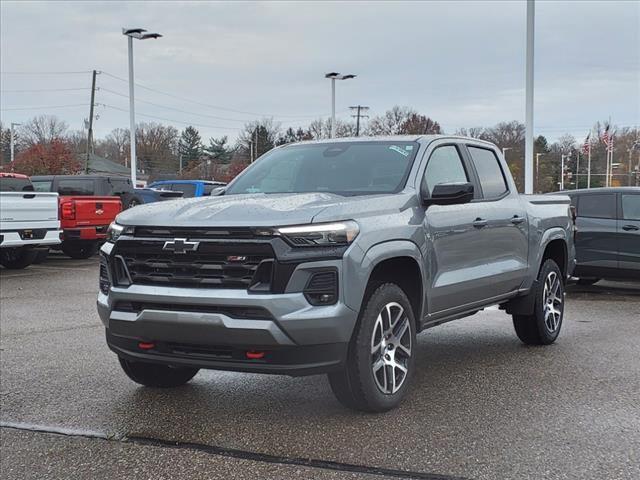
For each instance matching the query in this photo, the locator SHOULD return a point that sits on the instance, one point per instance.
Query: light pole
(13, 142)
(528, 148)
(537, 171)
(140, 34)
(335, 76)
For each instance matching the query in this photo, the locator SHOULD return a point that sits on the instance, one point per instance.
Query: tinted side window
(10, 184)
(491, 176)
(445, 166)
(631, 207)
(601, 205)
(42, 185)
(119, 186)
(76, 187)
(188, 189)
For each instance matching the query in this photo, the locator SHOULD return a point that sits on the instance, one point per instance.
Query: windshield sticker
(395, 148)
(408, 148)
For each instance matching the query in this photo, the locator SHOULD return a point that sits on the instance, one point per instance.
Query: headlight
(321, 234)
(114, 231)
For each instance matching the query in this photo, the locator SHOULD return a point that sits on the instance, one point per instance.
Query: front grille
(214, 264)
(193, 233)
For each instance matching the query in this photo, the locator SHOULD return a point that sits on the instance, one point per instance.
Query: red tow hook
(146, 345)
(254, 355)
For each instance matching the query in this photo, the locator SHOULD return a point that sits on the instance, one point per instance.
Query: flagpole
(578, 169)
(589, 161)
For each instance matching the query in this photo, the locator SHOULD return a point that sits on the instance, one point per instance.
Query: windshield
(353, 168)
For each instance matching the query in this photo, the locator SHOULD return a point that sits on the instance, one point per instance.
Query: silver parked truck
(330, 257)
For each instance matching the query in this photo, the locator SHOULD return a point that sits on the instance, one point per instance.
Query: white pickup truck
(28, 220)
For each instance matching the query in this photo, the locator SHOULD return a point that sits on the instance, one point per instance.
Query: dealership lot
(483, 405)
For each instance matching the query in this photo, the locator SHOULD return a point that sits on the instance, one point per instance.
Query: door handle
(516, 220)
(479, 222)
(629, 228)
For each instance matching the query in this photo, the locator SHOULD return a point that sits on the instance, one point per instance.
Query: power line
(167, 119)
(46, 90)
(46, 73)
(102, 89)
(217, 107)
(43, 107)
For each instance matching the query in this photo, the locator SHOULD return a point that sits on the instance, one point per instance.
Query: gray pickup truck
(329, 257)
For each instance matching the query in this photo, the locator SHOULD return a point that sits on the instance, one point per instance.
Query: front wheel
(381, 356)
(157, 375)
(542, 327)
(17, 258)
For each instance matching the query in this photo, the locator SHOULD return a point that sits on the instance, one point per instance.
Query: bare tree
(115, 146)
(473, 132)
(417, 124)
(258, 137)
(390, 123)
(42, 130)
(157, 148)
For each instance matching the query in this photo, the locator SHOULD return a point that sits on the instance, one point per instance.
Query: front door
(455, 252)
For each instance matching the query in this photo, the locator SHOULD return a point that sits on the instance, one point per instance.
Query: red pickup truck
(84, 216)
(84, 221)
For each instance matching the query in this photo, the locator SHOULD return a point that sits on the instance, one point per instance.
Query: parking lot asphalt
(483, 406)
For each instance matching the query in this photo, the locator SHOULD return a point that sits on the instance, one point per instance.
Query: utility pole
(359, 109)
(90, 133)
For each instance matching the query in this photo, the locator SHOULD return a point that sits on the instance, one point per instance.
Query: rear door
(502, 226)
(629, 233)
(595, 241)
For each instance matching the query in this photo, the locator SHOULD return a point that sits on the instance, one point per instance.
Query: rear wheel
(41, 256)
(17, 258)
(157, 375)
(130, 200)
(80, 249)
(381, 354)
(542, 327)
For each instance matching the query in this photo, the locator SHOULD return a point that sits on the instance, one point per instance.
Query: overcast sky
(461, 63)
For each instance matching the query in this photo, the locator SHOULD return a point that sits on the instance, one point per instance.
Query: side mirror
(216, 192)
(448, 194)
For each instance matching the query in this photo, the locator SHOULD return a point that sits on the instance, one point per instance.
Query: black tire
(357, 386)
(41, 256)
(80, 249)
(17, 258)
(585, 282)
(543, 326)
(130, 200)
(157, 375)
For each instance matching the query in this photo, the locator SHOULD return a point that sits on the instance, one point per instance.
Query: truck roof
(390, 138)
(12, 175)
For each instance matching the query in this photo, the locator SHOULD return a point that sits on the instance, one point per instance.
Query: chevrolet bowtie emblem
(180, 245)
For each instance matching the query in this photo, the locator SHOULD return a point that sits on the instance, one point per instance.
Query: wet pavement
(483, 406)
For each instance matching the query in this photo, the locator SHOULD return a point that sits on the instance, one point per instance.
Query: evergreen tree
(190, 145)
(219, 149)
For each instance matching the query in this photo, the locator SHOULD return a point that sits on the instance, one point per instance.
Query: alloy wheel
(552, 297)
(391, 348)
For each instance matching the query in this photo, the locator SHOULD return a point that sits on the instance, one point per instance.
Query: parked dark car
(608, 233)
(150, 195)
(94, 185)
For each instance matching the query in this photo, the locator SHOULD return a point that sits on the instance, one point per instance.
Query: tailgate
(93, 211)
(27, 208)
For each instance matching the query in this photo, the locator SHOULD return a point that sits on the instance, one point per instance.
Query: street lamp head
(139, 33)
(338, 76)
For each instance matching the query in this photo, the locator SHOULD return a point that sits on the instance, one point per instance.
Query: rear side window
(445, 166)
(631, 207)
(601, 205)
(9, 184)
(491, 176)
(119, 186)
(188, 189)
(42, 185)
(76, 186)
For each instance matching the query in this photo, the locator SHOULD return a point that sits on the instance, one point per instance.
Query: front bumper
(15, 239)
(191, 326)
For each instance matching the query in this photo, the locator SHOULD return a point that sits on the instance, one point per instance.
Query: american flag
(610, 144)
(587, 144)
(605, 136)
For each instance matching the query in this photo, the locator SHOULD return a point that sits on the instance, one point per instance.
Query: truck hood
(259, 210)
